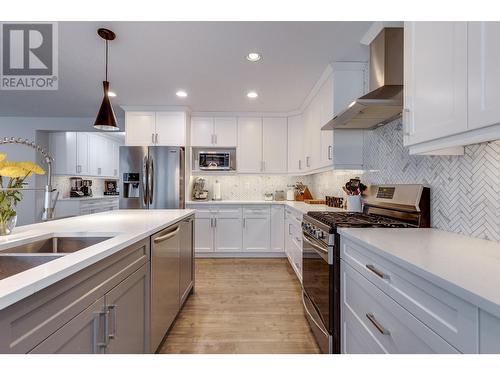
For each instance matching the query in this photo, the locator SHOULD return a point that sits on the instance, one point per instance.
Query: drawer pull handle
(377, 272)
(377, 325)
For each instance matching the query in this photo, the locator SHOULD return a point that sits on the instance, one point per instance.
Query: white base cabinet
(386, 308)
(238, 230)
(256, 229)
(293, 240)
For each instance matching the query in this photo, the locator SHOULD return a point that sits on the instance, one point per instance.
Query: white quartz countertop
(96, 197)
(124, 226)
(297, 205)
(465, 266)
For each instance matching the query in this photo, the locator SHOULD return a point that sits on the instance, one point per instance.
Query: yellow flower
(2, 156)
(13, 171)
(31, 167)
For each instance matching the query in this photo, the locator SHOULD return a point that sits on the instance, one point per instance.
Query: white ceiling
(150, 61)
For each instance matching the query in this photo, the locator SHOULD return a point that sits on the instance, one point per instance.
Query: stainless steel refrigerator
(152, 177)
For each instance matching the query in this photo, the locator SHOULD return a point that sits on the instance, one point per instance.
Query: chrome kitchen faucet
(49, 203)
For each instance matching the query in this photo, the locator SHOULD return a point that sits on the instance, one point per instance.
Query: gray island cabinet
(104, 308)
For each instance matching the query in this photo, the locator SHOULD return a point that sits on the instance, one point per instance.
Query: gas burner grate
(354, 219)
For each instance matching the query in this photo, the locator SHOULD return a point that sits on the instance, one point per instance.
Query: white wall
(26, 127)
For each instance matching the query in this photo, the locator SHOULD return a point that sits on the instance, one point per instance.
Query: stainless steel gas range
(385, 206)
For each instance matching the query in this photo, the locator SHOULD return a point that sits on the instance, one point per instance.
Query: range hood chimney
(384, 102)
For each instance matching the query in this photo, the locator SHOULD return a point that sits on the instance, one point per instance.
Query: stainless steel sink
(13, 264)
(61, 245)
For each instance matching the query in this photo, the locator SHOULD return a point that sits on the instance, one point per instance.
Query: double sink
(20, 258)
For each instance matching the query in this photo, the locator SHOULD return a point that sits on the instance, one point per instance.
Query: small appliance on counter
(76, 184)
(290, 193)
(217, 195)
(87, 188)
(199, 192)
(111, 187)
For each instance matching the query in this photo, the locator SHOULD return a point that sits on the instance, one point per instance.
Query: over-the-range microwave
(214, 159)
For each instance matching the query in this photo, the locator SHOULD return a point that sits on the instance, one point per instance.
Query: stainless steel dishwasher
(165, 255)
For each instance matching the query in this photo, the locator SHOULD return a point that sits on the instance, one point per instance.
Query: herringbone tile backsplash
(465, 190)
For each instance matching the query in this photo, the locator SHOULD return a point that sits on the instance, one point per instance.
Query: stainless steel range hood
(384, 102)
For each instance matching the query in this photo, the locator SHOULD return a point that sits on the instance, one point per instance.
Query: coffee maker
(87, 188)
(76, 184)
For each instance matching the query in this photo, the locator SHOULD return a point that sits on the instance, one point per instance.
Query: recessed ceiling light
(181, 94)
(252, 95)
(111, 94)
(254, 56)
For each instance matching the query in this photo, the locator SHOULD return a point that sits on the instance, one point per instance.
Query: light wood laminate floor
(242, 306)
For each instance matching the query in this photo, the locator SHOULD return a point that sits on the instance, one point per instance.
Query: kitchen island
(71, 302)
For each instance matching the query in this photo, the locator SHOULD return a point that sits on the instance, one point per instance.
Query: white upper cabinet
(274, 145)
(155, 128)
(84, 154)
(225, 132)
(214, 132)
(63, 148)
(295, 144)
(249, 153)
(325, 109)
(140, 128)
(435, 80)
(483, 51)
(202, 131)
(170, 129)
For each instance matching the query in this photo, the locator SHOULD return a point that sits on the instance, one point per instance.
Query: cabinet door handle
(307, 162)
(300, 165)
(99, 171)
(153, 138)
(406, 129)
(112, 317)
(289, 228)
(244, 222)
(377, 272)
(330, 149)
(105, 341)
(377, 324)
(215, 222)
(156, 138)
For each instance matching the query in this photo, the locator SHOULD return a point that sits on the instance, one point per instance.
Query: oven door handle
(322, 252)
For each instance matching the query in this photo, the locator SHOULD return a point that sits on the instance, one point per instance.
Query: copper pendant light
(106, 119)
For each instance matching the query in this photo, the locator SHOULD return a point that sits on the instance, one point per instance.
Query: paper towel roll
(217, 196)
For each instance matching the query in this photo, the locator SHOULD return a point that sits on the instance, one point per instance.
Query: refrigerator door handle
(151, 179)
(145, 177)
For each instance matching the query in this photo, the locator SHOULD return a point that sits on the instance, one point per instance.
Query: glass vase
(7, 226)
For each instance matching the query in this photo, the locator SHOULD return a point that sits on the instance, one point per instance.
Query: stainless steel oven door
(317, 278)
